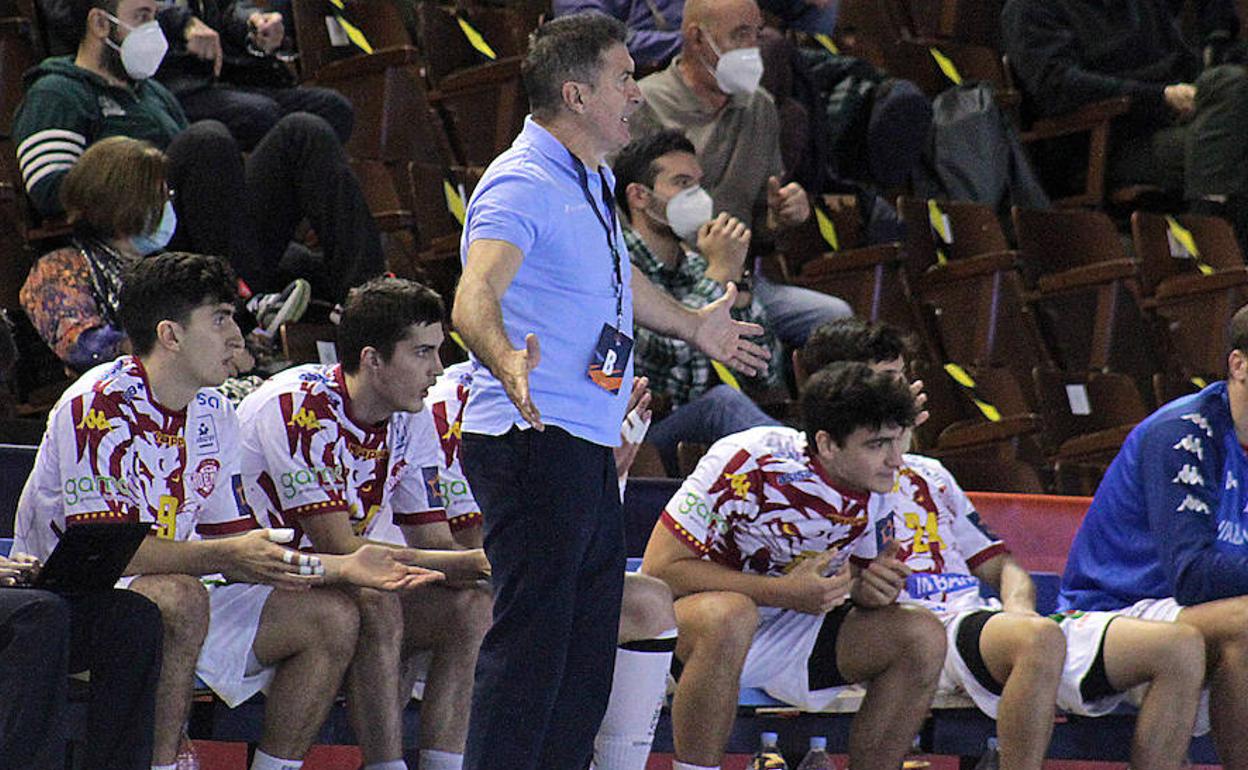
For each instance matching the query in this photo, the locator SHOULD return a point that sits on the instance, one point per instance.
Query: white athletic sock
(432, 759)
(677, 765)
(174, 766)
(393, 764)
(637, 690)
(262, 761)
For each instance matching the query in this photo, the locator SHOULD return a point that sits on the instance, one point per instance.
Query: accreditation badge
(610, 359)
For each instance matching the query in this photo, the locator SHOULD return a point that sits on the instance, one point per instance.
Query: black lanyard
(608, 228)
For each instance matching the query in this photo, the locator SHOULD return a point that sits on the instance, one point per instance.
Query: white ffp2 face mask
(739, 71)
(143, 49)
(687, 211)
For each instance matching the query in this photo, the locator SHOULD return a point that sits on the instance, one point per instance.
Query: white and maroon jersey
(304, 455)
(759, 502)
(111, 454)
(445, 404)
(940, 537)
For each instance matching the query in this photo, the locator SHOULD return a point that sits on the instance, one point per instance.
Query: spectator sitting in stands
(253, 89)
(658, 185)
(115, 635)
(224, 64)
(247, 212)
(147, 438)
(654, 35)
(714, 99)
(1004, 656)
(1185, 126)
(118, 201)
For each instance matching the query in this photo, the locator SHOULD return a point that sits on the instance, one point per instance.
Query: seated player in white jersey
(1012, 662)
(647, 634)
(147, 439)
(346, 456)
(770, 547)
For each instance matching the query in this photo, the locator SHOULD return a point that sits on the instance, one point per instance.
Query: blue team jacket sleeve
(1183, 490)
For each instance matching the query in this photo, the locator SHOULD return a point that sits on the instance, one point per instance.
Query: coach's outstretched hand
(722, 337)
(513, 371)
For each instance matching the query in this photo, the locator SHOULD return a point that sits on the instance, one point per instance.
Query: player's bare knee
(336, 618)
(183, 604)
(472, 613)
(1041, 646)
(381, 612)
(647, 609)
(1183, 655)
(722, 624)
(921, 640)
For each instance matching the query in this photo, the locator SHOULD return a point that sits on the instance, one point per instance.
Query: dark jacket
(1071, 52)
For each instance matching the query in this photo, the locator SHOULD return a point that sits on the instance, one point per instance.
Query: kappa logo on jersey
(1231, 483)
(432, 486)
(1190, 443)
(740, 483)
(305, 420)
(206, 436)
(1190, 476)
(1199, 420)
(204, 478)
(94, 419)
(1192, 504)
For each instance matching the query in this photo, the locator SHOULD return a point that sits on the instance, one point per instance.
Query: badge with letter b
(610, 359)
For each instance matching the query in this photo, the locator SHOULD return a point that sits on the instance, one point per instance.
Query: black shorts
(821, 668)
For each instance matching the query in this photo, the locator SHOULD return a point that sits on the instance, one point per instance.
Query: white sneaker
(286, 306)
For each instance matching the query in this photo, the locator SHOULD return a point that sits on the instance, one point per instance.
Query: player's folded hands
(808, 590)
(254, 557)
(881, 582)
(18, 569)
(376, 566)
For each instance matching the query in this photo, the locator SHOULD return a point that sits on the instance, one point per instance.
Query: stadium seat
(1193, 271)
(1086, 292)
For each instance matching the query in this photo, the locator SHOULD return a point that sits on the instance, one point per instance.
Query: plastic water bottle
(187, 758)
(991, 759)
(817, 758)
(768, 756)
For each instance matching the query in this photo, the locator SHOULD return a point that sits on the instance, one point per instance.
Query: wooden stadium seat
(394, 120)
(1086, 418)
(1086, 294)
(481, 98)
(870, 279)
(960, 265)
(395, 222)
(1193, 270)
(380, 22)
(300, 341)
(991, 423)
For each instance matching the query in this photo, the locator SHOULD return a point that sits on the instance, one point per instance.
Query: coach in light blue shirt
(546, 305)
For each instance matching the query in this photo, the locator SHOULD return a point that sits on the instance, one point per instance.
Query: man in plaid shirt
(658, 182)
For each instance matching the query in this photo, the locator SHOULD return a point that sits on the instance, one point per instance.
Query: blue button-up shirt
(564, 291)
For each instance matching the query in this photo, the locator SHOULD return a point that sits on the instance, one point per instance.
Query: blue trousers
(793, 312)
(720, 411)
(554, 536)
(116, 635)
